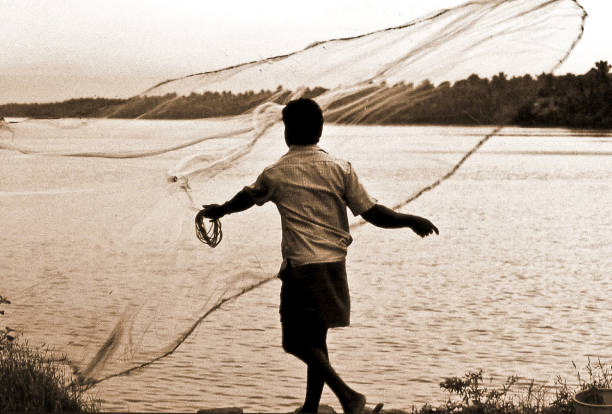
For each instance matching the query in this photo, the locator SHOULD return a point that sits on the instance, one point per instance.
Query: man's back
(312, 190)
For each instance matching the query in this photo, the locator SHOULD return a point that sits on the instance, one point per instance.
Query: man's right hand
(423, 227)
(213, 211)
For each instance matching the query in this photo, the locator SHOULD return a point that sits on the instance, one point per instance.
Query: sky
(59, 49)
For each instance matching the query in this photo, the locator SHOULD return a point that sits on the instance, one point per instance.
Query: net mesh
(104, 208)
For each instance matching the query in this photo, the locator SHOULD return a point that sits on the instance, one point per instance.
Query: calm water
(517, 283)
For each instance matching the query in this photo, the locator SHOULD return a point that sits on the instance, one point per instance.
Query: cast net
(104, 208)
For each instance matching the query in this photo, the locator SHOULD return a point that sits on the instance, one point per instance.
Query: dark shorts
(315, 293)
(301, 336)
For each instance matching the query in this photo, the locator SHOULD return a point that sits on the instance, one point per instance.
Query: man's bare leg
(314, 389)
(352, 402)
(314, 380)
(312, 350)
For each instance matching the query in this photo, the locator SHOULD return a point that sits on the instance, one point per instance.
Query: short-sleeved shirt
(312, 190)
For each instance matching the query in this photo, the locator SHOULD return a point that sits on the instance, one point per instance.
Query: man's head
(303, 121)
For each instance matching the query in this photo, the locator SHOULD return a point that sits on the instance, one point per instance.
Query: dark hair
(303, 121)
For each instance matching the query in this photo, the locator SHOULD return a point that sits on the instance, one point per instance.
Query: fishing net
(104, 208)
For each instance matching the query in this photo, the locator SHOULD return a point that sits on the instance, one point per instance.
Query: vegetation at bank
(577, 101)
(32, 381)
(470, 394)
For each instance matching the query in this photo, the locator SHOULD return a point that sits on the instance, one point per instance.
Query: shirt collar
(304, 148)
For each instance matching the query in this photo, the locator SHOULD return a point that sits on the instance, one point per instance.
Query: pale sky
(59, 49)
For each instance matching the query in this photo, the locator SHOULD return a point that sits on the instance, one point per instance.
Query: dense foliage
(471, 394)
(583, 101)
(575, 101)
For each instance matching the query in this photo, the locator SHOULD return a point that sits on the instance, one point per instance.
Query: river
(517, 283)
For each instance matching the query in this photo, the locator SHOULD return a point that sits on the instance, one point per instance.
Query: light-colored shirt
(312, 190)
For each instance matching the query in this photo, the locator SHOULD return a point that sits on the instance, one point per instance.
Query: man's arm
(240, 202)
(384, 217)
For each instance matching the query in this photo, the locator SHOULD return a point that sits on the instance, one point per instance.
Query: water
(517, 282)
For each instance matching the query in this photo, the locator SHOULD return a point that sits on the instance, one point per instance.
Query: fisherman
(312, 190)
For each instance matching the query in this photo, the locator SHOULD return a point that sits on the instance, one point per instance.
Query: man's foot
(355, 405)
(323, 409)
(377, 409)
(301, 410)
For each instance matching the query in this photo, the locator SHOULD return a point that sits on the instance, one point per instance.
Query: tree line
(581, 101)
(576, 101)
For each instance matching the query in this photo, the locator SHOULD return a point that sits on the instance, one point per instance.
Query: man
(312, 190)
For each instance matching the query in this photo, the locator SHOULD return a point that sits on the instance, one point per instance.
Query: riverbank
(468, 395)
(31, 381)
(573, 101)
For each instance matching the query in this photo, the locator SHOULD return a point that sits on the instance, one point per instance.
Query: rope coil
(212, 235)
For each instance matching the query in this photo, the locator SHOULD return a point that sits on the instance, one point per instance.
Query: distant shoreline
(602, 131)
(566, 101)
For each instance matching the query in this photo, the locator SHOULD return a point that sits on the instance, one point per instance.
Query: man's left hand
(423, 227)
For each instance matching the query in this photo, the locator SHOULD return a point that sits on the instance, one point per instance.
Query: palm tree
(603, 69)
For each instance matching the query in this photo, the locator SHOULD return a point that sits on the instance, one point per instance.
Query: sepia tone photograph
(353, 207)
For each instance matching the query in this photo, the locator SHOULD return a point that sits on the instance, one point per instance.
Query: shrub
(30, 380)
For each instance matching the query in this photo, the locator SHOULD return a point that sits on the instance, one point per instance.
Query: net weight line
(88, 383)
(443, 178)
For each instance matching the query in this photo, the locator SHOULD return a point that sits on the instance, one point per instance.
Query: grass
(30, 380)
(470, 395)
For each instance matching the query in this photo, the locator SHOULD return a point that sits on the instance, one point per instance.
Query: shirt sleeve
(260, 191)
(356, 197)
